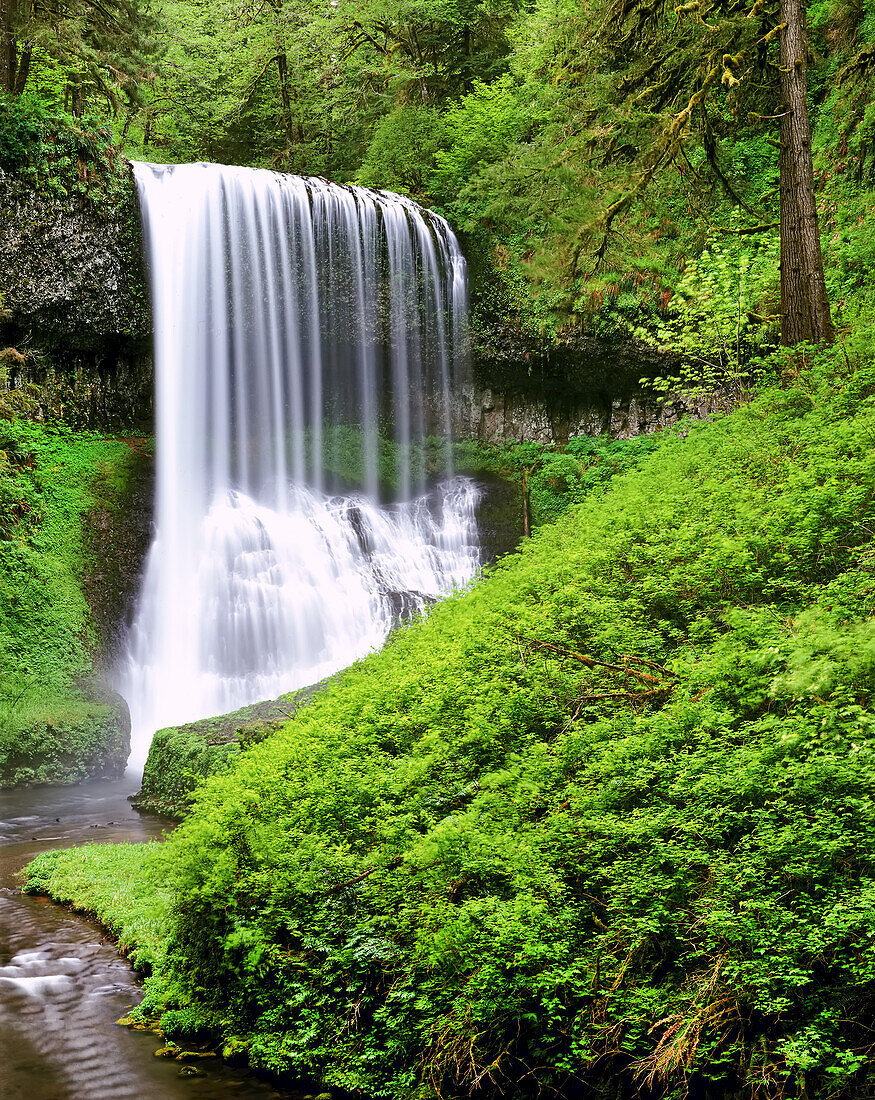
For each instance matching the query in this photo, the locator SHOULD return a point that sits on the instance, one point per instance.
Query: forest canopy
(587, 152)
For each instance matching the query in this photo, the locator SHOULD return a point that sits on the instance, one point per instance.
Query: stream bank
(62, 981)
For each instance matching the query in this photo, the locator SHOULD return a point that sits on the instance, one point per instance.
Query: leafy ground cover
(127, 896)
(552, 478)
(56, 724)
(60, 155)
(601, 823)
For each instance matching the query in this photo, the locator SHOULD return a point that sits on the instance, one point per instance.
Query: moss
(180, 757)
(11, 357)
(71, 740)
(58, 724)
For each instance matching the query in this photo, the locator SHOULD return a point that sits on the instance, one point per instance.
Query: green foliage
(341, 90)
(587, 151)
(79, 53)
(63, 738)
(555, 134)
(52, 728)
(506, 785)
(722, 317)
(555, 479)
(128, 893)
(60, 155)
(605, 818)
(478, 130)
(401, 155)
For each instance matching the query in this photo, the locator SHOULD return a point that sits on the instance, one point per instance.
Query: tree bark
(805, 315)
(283, 70)
(291, 125)
(8, 52)
(73, 99)
(23, 70)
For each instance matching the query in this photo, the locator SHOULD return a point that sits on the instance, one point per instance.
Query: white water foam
(301, 329)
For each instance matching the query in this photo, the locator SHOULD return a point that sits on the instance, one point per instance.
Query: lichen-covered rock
(235, 1050)
(75, 303)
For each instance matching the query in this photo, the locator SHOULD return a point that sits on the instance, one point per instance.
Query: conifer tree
(689, 71)
(103, 46)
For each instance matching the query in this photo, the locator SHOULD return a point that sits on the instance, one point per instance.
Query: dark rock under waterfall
(74, 304)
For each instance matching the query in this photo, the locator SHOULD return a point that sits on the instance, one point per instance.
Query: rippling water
(62, 984)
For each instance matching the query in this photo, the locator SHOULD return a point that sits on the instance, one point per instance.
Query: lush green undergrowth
(56, 725)
(60, 155)
(603, 821)
(128, 893)
(552, 478)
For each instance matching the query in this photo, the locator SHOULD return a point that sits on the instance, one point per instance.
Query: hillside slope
(603, 821)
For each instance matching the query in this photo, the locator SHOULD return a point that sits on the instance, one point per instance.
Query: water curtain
(307, 336)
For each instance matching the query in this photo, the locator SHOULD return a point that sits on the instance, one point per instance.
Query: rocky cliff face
(525, 389)
(74, 303)
(504, 416)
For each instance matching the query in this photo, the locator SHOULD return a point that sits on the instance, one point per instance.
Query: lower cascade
(306, 339)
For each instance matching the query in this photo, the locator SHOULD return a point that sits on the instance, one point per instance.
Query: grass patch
(121, 885)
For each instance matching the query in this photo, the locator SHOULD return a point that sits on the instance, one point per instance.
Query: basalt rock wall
(74, 308)
(524, 388)
(75, 320)
(497, 415)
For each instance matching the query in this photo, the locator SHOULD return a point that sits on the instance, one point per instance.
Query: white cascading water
(304, 338)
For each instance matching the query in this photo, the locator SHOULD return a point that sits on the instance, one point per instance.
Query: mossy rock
(235, 1050)
(180, 757)
(67, 740)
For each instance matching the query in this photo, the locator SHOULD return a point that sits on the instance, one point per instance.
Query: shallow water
(62, 984)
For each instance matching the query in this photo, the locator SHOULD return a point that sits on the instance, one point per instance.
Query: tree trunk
(805, 313)
(75, 89)
(23, 70)
(292, 127)
(283, 69)
(7, 47)
(129, 118)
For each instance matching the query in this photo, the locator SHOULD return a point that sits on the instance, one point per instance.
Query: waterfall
(306, 336)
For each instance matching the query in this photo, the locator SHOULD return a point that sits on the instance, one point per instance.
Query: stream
(62, 983)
